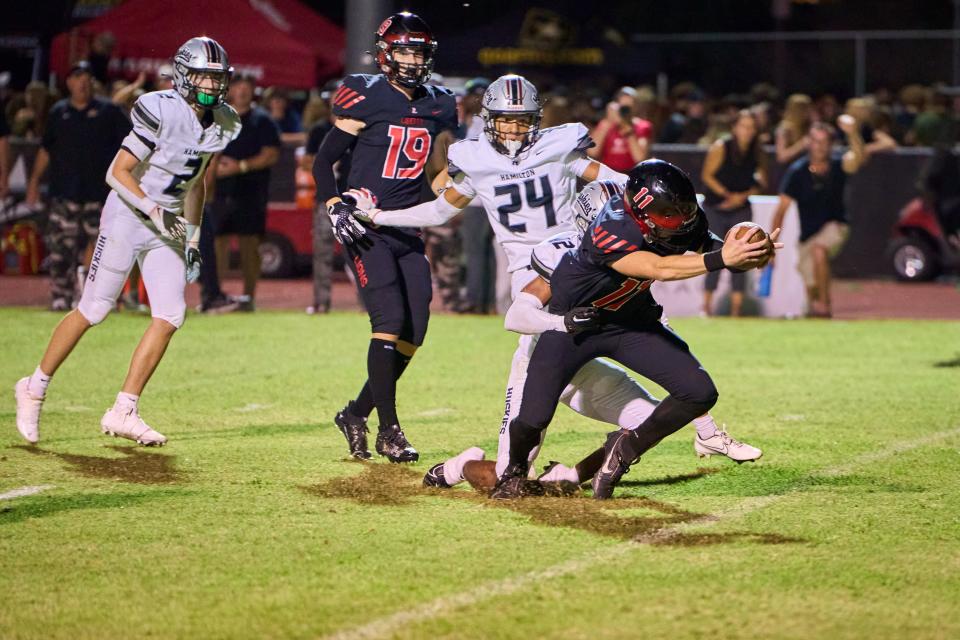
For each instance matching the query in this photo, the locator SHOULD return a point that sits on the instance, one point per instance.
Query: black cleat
(392, 444)
(434, 477)
(514, 484)
(618, 456)
(354, 429)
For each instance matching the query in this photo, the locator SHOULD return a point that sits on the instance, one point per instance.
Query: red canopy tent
(280, 42)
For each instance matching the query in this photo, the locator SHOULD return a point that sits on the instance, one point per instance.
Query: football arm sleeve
(334, 145)
(526, 315)
(590, 170)
(427, 214)
(121, 180)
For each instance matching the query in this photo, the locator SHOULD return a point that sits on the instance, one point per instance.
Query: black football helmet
(405, 31)
(661, 198)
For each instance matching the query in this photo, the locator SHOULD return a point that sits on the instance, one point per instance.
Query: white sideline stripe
(25, 491)
(446, 604)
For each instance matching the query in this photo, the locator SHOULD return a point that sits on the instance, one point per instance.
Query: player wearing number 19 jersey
(391, 121)
(152, 216)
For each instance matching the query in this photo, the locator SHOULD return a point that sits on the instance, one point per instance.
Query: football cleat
(354, 429)
(28, 411)
(392, 444)
(618, 457)
(434, 477)
(127, 423)
(514, 484)
(721, 444)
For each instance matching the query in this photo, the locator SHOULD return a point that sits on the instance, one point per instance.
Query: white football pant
(123, 238)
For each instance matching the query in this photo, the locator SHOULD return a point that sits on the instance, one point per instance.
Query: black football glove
(581, 319)
(346, 229)
(191, 255)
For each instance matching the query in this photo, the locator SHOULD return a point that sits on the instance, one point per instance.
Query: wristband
(192, 235)
(146, 205)
(713, 260)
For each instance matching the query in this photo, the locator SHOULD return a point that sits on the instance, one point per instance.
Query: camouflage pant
(445, 252)
(322, 258)
(71, 227)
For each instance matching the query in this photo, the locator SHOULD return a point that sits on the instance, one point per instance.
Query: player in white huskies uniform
(152, 215)
(526, 180)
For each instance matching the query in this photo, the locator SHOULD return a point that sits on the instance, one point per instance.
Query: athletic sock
(453, 468)
(706, 427)
(126, 401)
(363, 405)
(381, 376)
(37, 385)
(523, 439)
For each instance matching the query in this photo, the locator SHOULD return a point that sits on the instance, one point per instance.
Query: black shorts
(655, 352)
(393, 278)
(236, 216)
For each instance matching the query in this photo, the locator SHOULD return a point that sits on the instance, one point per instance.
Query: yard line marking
(447, 604)
(434, 413)
(25, 491)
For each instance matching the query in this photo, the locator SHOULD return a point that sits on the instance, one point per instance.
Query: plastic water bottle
(766, 277)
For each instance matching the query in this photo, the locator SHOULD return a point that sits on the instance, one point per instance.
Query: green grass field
(251, 523)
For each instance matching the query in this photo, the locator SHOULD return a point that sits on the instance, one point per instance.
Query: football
(757, 234)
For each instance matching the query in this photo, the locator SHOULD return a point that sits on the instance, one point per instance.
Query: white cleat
(28, 411)
(128, 424)
(721, 444)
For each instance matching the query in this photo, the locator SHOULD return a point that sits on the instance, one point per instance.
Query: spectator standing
(82, 135)
(475, 230)
(688, 124)
(323, 242)
(875, 140)
(735, 169)
(791, 134)
(622, 140)
(101, 50)
(278, 106)
(816, 183)
(4, 159)
(242, 186)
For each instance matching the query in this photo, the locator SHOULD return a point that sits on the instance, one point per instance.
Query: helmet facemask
(670, 227)
(407, 74)
(207, 89)
(511, 132)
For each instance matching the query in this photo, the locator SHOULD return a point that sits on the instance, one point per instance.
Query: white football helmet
(590, 201)
(511, 95)
(195, 59)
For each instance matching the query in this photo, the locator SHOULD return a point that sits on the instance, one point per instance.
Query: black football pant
(655, 352)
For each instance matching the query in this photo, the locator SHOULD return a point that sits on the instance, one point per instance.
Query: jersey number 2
(176, 184)
(414, 142)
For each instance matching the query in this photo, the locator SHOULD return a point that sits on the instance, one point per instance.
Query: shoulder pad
(560, 141)
(459, 155)
(352, 98)
(146, 112)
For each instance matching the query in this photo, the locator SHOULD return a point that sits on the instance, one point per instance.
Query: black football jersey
(584, 278)
(393, 147)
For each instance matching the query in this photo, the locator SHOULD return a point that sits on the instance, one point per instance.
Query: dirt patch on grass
(136, 466)
(396, 486)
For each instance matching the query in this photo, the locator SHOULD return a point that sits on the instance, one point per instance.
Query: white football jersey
(173, 146)
(547, 255)
(527, 199)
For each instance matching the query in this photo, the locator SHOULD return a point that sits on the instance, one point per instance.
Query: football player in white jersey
(622, 399)
(152, 216)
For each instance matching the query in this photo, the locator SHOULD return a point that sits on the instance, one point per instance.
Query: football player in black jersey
(635, 240)
(391, 121)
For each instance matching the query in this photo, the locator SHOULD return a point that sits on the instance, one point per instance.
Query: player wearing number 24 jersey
(151, 217)
(392, 122)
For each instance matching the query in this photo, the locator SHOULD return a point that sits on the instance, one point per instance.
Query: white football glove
(366, 204)
(169, 224)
